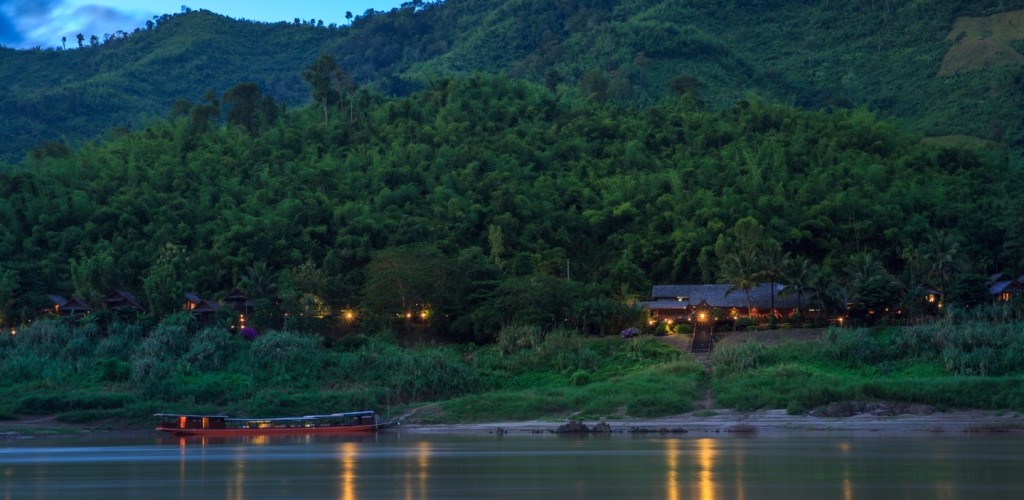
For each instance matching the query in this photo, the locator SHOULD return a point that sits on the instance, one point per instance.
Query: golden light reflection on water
(423, 450)
(672, 463)
(706, 453)
(846, 448)
(348, 470)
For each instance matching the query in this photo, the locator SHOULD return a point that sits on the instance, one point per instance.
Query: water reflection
(844, 449)
(706, 460)
(470, 467)
(418, 473)
(348, 470)
(672, 461)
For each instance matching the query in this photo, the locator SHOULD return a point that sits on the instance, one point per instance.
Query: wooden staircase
(702, 337)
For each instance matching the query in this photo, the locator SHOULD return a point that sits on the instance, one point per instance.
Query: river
(483, 466)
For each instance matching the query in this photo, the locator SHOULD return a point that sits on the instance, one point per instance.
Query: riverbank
(765, 422)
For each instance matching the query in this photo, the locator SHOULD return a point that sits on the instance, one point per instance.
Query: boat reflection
(262, 440)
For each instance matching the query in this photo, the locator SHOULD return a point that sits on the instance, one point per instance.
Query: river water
(482, 466)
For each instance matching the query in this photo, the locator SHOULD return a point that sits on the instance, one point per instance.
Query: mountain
(948, 69)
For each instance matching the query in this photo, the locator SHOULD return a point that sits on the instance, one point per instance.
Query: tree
(8, 287)
(164, 283)
(64, 42)
(407, 280)
(594, 85)
(966, 290)
(258, 281)
(329, 83)
(249, 107)
(774, 263)
(800, 276)
(739, 253)
(94, 41)
(941, 253)
(860, 268)
(81, 40)
(740, 269)
(348, 16)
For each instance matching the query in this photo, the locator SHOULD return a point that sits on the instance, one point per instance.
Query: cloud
(31, 23)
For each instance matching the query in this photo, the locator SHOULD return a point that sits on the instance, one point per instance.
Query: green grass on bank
(121, 376)
(947, 364)
(124, 375)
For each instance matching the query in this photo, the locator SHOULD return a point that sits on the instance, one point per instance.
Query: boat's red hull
(274, 431)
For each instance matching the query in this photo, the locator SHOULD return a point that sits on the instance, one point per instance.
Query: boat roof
(187, 415)
(306, 417)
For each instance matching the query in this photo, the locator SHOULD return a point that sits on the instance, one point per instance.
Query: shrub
(45, 338)
(743, 324)
(853, 346)
(280, 356)
(683, 328)
(739, 357)
(580, 378)
(795, 408)
(515, 338)
(210, 350)
(113, 370)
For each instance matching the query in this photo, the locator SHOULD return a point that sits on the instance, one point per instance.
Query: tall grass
(964, 361)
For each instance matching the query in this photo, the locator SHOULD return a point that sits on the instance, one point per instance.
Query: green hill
(476, 197)
(895, 57)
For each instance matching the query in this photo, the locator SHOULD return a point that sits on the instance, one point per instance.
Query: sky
(30, 23)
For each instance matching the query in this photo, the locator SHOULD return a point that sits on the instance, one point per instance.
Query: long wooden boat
(222, 425)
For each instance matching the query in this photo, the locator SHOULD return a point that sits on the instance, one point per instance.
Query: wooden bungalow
(120, 300)
(1005, 290)
(930, 297)
(680, 302)
(68, 307)
(200, 309)
(237, 301)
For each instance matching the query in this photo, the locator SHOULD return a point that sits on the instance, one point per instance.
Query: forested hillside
(919, 63)
(476, 198)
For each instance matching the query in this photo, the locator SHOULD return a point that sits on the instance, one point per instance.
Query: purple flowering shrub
(629, 333)
(249, 333)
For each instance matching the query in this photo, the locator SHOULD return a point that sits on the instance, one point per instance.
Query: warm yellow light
(652, 322)
(702, 317)
(408, 315)
(424, 314)
(349, 316)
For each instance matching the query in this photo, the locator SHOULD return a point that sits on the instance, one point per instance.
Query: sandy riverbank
(765, 422)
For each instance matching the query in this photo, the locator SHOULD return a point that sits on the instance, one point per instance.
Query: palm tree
(941, 253)
(861, 267)
(259, 280)
(774, 263)
(800, 276)
(740, 268)
(826, 290)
